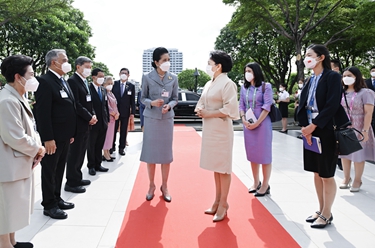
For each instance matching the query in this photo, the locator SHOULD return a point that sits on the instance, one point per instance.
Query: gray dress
(158, 127)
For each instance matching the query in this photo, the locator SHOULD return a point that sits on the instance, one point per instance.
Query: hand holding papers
(250, 117)
(315, 146)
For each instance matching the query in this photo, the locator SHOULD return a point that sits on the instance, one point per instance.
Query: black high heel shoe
(268, 191)
(166, 198)
(311, 219)
(255, 190)
(108, 160)
(328, 222)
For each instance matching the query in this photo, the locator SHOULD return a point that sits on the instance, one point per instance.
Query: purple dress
(356, 102)
(112, 107)
(258, 142)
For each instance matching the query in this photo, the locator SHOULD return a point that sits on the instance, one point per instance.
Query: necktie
(122, 89)
(100, 93)
(65, 85)
(87, 86)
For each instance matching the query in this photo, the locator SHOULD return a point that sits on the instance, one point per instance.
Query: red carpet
(182, 223)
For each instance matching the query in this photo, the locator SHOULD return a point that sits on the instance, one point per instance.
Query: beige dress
(217, 133)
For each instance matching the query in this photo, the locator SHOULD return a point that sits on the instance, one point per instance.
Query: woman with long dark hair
(320, 100)
(359, 105)
(257, 134)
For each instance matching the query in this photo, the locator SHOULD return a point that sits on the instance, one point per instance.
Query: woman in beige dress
(20, 149)
(217, 107)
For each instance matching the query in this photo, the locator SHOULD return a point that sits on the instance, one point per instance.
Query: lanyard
(350, 108)
(313, 92)
(247, 98)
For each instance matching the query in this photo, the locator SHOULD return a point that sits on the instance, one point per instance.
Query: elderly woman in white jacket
(20, 149)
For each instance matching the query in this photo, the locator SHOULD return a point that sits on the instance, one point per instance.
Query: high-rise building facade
(176, 60)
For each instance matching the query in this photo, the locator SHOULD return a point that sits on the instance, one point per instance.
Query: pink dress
(112, 106)
(356, 102)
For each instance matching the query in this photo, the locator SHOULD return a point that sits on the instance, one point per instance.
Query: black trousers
(95, 147)
(123, 132)
(76, 157)
(53, 167)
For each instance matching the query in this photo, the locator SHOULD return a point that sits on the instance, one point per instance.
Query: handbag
(274, 113)
(347, 141)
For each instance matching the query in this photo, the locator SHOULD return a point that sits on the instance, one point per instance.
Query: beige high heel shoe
(345, 185)
(218, 218)
(212, 210)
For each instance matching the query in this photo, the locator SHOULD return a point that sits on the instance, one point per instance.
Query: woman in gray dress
(159, 95)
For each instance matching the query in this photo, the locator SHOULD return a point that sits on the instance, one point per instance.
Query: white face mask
(86, 72)
(123, 77)
(281, 89)
(109, 87)
(165, 66)
(249, 76)
(31, 84)
(300, 86)
(310, 62)
(373, 74)
(209, 71)
(348, 80)
(100, 81)
(65, 67)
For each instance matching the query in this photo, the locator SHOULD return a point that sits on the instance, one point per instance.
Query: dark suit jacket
(100, 108)
(328, 96)
(369, 84)
(126, 103)
(55, 115)
(84, 108)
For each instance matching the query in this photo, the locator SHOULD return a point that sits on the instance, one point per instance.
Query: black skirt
(325, 163)
(283, 106)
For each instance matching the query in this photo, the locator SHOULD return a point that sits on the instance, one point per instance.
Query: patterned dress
(356, 102)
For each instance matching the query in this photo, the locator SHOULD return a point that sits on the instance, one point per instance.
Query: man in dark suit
(56, 123)
(99, 130)
(85, 118)
(125, 96)
(370, 82)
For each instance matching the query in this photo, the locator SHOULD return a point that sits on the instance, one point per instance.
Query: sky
(123, 29)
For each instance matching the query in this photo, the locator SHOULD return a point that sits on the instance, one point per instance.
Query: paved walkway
(97, 217)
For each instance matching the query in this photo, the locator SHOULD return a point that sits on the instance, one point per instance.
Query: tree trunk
(299, 61)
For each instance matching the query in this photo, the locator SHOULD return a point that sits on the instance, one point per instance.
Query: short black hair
(156, 55)
(125, 69)
(337, 63)
(15, 64)
(258, 74)
(96, 71)
(322, 50)
(372, 67)
(359, 82)
(220, 57)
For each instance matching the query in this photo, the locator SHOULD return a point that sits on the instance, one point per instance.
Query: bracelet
(365, 131)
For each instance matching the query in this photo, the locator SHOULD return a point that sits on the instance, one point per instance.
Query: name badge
(88, 98)
(129, 93)
(165, 93)
(63, 94)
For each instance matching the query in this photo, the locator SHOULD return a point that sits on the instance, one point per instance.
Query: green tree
(186, 79)
(269, 49)
(302, 22)
(103, 67)
(35, 37)
(16, 11)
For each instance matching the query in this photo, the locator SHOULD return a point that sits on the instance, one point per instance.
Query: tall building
(176, 60)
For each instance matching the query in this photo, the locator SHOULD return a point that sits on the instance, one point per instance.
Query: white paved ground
(97, 217)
